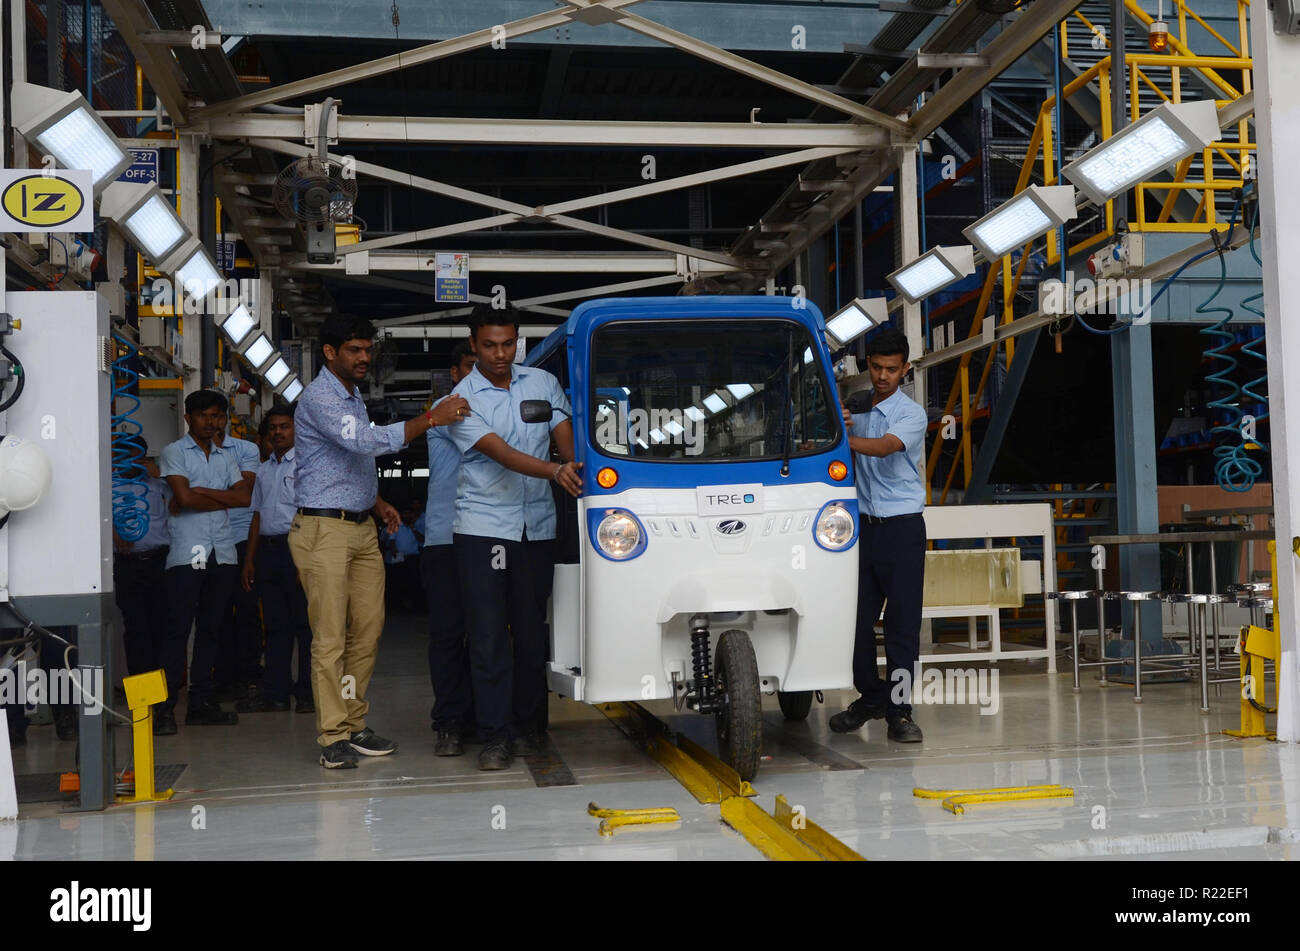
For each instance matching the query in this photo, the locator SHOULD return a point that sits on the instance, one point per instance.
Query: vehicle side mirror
(536, 411)
(859, 402)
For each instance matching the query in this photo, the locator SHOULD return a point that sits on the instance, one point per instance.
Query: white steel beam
(747, 67)
(602, 198)
(427, 234)
(453, 331)
(404, 178)
(1277, 134)
(388, 64)
(531, 262)
(600, 290)
(132, 19)
(558, 132)
(908, 236)
(491, 201)
(690, 181)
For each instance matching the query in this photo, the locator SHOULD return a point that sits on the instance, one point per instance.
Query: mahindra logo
(732, 526)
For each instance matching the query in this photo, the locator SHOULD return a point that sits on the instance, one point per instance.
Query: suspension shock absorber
(702, 667)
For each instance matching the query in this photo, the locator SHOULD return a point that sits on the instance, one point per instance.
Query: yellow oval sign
(42, 201)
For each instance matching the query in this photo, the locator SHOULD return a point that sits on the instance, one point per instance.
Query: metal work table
(1189, 539)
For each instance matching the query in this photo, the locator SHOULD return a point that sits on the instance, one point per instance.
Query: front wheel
(795, 704)
(739, 714)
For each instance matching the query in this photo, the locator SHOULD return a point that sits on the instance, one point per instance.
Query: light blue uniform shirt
(891, 485)
(336, 447)
(219, 469)
(249, 459)
(444, 470)
(157, 494)
(491, 500)
(273, 495)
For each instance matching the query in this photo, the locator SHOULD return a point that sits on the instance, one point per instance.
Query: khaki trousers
(342, 573)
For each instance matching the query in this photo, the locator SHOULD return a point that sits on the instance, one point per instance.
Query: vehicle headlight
(618, 535)
(834, 527)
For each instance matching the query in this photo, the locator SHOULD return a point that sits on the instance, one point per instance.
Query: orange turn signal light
(837, 470)
(607, 478)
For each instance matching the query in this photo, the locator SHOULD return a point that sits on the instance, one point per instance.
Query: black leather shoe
(209, 714)
(164, 723)
(260, 703)
(903, 730)
(448, 744)
(858, 713)
(305, 705)
(526, 744)
(495, 755)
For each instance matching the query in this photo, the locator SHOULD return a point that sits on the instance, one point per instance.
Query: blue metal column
(1135, 471)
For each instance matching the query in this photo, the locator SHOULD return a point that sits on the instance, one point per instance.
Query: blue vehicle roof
(592, 312)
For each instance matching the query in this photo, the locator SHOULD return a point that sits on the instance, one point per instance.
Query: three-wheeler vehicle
(711, 557)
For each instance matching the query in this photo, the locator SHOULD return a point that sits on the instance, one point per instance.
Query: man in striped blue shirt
(333, 539)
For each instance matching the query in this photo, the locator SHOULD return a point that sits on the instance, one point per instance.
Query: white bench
(987, 522)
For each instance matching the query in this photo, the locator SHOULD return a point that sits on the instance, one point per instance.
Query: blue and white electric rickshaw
(712, 555)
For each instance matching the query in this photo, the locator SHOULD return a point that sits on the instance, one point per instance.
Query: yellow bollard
(142, 692)
(1258, 644)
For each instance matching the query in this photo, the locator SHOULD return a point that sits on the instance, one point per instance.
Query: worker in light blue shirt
(268, 569)
(887, 437)
(504, 533)
(453, 698)
(206, 483)
(239, 653)
(333, 540)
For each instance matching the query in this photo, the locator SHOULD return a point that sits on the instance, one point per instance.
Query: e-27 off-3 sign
(33, 199)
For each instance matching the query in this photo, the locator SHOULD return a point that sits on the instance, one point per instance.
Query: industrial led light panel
(63, 125)
(239, 325)
(259, 351)
(933, 270)
(1165, 135)
(856, 318)
(146, 215)
(276, 372)
(1031, 214)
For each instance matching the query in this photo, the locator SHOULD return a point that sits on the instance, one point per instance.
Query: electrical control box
(63, 544)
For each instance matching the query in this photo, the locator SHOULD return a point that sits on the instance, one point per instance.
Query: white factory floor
(1156, 781)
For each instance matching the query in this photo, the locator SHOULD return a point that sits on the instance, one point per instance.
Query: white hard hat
(24, 473)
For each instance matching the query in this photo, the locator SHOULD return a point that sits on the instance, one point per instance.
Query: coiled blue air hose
(130, 504)
(1234, 471)
(1239, 461)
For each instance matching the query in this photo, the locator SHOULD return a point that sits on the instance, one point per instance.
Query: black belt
(877, 519)
(357, 517)
(275, 539)
(147, 553)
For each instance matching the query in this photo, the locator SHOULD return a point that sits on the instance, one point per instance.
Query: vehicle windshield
(709, 391)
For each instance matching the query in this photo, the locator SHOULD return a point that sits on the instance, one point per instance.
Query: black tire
(795, 704)
(739, 718)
